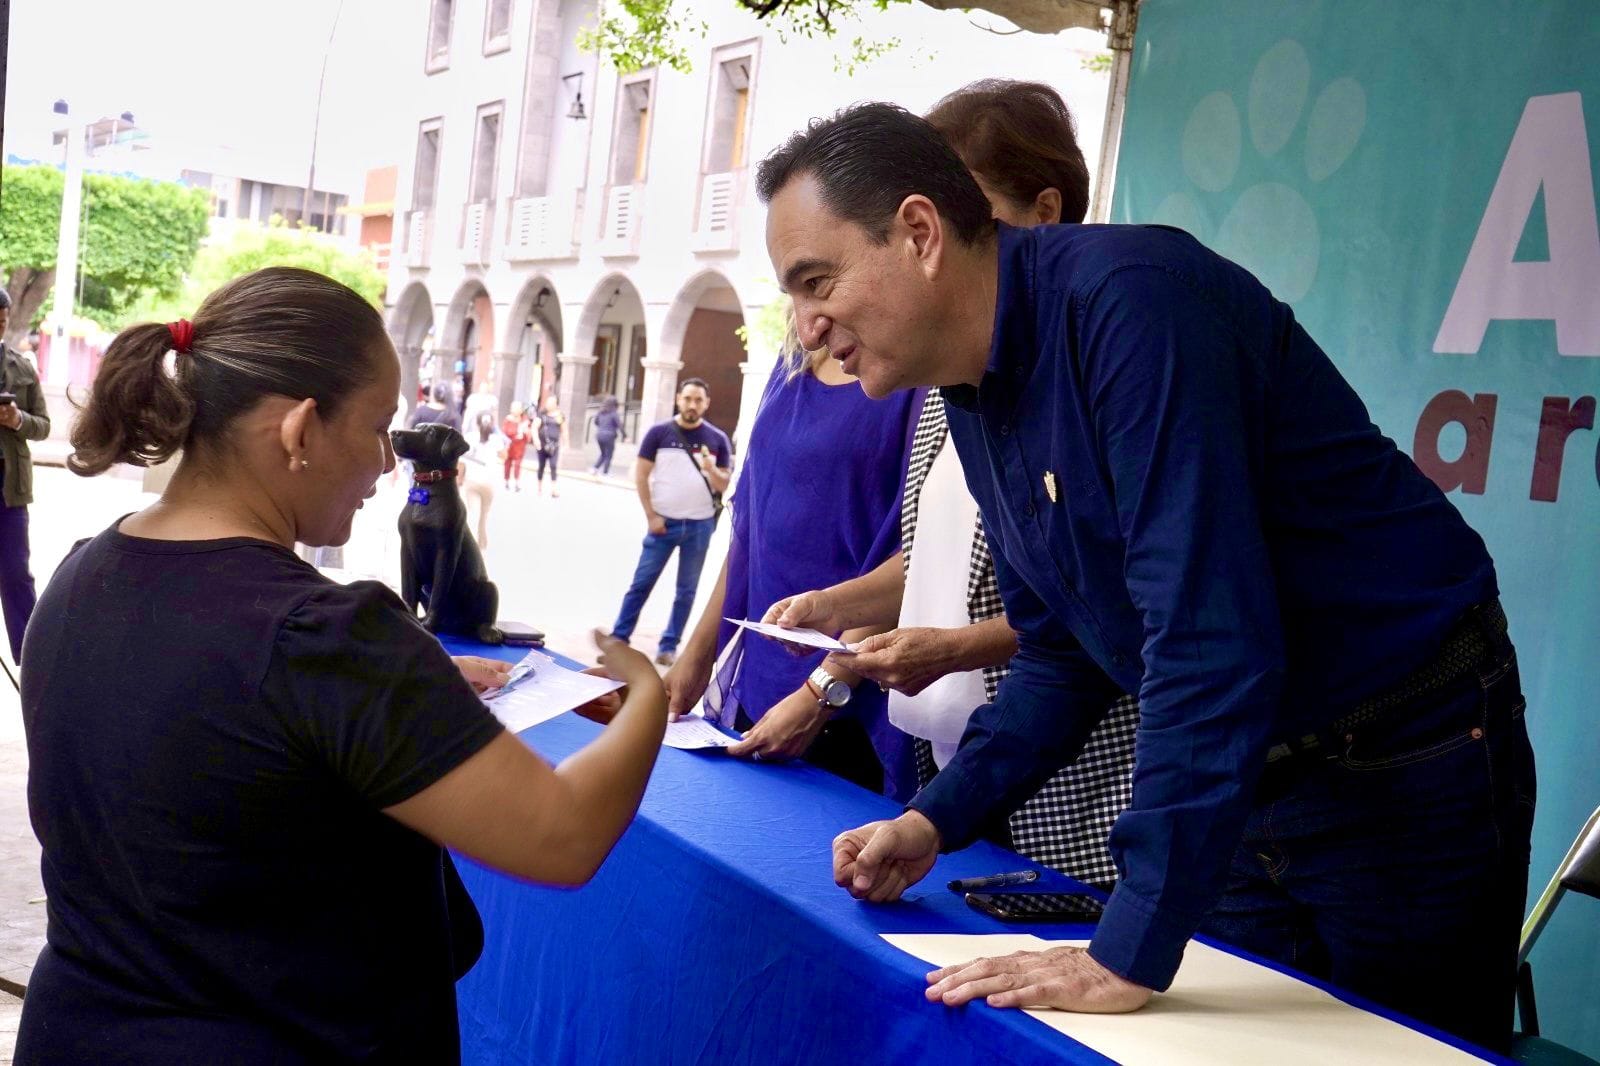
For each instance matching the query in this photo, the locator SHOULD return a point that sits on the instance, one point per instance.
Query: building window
(441, 16)
(631, 143)
(728, 128)
(497, 27)
(426, 182)
(485, 153)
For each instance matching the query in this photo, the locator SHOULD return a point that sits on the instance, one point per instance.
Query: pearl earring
(304, 463)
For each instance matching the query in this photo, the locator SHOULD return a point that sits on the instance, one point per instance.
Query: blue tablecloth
(714, 935)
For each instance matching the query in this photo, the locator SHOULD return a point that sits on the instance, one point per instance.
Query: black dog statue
(440, 565)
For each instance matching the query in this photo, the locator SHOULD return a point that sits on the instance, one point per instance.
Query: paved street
(561, 564)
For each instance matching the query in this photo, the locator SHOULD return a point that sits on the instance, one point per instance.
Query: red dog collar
(428, 477)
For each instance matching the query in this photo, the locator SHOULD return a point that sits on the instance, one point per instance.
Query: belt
(1479, 631)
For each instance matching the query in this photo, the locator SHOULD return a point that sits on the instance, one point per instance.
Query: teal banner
(1418, 181)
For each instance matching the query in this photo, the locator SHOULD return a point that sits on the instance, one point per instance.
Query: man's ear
(922, 229)
(292, 431)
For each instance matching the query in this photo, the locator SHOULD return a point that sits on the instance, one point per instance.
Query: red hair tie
(182, 335)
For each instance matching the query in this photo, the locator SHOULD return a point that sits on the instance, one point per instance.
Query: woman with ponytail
(244, 775)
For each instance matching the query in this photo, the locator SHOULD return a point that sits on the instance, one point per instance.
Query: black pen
(978, 884)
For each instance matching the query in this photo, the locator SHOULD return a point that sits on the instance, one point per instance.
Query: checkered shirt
(1065, 825)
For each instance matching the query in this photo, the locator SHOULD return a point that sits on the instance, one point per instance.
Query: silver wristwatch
(834, 693)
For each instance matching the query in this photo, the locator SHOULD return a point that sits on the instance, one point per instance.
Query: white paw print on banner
(1269, 227)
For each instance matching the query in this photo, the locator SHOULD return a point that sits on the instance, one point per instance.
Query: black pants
(549, 456)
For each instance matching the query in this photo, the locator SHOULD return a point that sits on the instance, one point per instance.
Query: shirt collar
(1011, 349)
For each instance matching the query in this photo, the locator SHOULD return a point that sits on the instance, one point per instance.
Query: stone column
(661, 392)
(757, 367)
(574, 392)
(444, 364)
(507, 366)
(410, 356)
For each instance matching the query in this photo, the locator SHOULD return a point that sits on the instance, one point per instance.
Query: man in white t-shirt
(683, 468)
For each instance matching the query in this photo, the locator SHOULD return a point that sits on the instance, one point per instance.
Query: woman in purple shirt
(818, 501)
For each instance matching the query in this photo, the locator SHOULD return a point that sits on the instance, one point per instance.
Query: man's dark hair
(5, 300)
(686, 382)
(1019, 137)
(868, 158)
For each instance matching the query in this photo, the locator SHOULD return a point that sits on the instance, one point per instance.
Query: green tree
(253, 247)
(634, 34)
(138, 240)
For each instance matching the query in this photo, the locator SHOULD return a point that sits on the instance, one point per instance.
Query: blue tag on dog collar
(417, 495)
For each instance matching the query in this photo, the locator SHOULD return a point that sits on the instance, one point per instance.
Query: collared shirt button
(1028, 510)
(1005, 429)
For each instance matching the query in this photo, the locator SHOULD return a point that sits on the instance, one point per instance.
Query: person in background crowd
(684, 466)
(440, 410)
(607, 431)
(517, 430)
(23, 418)
(818, 502)
(477, 470)
(482, 401)
(551, 431)
(28, 351)
(1331, 772)
(262, 878)
(954, 644)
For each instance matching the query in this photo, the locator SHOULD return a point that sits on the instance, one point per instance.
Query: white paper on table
(692, 731)
(540, 688)
(1221, 1009)
(806, 638)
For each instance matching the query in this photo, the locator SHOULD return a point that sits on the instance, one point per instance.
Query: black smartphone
(1037, 906)
(7, 397)
(521, 635)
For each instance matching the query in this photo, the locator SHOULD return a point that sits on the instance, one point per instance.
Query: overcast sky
(219, 74)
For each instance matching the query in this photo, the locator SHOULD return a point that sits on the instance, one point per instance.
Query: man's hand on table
(482, 674)
(879, 861)
(1065, 978)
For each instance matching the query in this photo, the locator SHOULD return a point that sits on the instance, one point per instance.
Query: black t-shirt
(213, 730)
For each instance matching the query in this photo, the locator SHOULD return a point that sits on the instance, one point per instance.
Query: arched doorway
(410, 328)
(613, 324)
(464, 348)
(530, 368)
(702, 330)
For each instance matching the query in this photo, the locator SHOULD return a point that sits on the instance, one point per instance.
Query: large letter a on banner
(1550, 148)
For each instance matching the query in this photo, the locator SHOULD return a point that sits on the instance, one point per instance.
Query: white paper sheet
(806, 638)
(540, 688)
(1221, 1010)
(692, 731)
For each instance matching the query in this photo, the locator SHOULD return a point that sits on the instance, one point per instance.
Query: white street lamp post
(66, 248)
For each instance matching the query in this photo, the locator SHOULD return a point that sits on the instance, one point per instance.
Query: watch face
(838, 693)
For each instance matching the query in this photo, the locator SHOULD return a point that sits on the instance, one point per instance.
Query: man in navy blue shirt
(1186, 501)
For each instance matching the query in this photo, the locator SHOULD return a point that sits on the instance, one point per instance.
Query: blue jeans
(1399, 869)
(691, 536)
